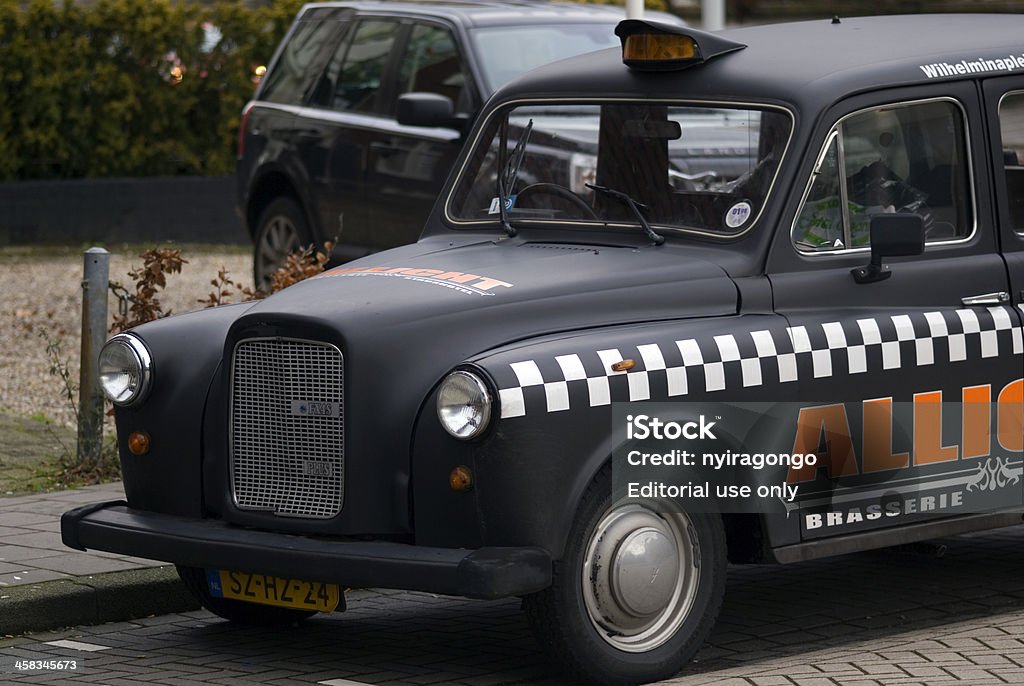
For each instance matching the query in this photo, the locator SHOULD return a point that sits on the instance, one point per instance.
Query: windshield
(704, 168)
(509, 51)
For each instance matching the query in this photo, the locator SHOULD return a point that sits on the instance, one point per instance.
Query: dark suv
(352, 132)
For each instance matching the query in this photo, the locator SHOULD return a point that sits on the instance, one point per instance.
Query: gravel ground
(41, 300)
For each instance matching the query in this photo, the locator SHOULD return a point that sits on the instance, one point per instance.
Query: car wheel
(236, 610)
(636, 592)
(281, 231)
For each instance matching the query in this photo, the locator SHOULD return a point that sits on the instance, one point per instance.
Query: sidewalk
(45, 585)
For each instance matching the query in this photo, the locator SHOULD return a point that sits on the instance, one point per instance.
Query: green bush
(128, 87)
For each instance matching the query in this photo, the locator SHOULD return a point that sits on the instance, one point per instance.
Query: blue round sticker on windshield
(738, 214)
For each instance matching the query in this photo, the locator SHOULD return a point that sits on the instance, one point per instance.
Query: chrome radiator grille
(287, 427)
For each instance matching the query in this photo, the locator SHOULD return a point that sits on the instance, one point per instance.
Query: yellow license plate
(273, 590)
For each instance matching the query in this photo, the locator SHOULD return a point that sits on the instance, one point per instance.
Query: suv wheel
(636, 592)
(237, 611)
(281, 231)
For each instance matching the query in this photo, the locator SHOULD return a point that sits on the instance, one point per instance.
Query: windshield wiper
(507, 177)
(656, 238)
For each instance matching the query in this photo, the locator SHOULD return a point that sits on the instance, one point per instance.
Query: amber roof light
(653, 46)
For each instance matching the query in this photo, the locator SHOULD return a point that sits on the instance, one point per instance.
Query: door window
(899, 158)
(432, 64)
(291, 75)
(1011, 125)
(358, 72)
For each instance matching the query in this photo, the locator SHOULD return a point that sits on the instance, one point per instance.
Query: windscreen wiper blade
(655, 237)
(507, 176)
(515, 161)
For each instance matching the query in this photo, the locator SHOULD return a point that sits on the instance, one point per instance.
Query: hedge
(156, 87)
(128, 87)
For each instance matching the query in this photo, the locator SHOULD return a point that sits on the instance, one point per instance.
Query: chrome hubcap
(644, 572)
(640, 576)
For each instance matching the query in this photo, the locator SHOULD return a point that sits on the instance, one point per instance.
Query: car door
(346, 106)
(1004, 104)
(408, 164)
(281, 137)
(900, 377)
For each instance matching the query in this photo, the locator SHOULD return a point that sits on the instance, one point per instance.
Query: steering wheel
(560, 191)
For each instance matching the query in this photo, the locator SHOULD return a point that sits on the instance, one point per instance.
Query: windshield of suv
(509, 51)
(705, 168)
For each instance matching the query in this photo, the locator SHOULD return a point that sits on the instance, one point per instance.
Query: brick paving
(886, 617)
(416, 638)
(30, 547)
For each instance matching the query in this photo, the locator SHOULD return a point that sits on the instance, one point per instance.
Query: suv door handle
(986, 299)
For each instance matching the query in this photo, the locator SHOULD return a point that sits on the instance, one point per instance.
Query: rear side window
(1011, 125)
(358, 69)
(908, 158)
(432, 64)
(288, 82)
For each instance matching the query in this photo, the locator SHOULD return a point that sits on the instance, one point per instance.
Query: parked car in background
(355, 126)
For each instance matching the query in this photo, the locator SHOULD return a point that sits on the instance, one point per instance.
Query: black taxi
(797, 247)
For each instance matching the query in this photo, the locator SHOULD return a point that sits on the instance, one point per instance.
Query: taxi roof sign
(654, 46)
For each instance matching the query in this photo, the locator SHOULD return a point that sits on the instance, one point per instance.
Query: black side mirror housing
(427, 109)
(892, 235)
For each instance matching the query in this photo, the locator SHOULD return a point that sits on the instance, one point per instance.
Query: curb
(93, 599)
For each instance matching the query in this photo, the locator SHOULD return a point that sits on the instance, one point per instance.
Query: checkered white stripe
(763, 362)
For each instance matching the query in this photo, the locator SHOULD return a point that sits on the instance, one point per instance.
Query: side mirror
(892, 235)
(427, 109)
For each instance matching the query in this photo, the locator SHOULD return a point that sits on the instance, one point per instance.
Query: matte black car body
(761, 311)
(353, 174)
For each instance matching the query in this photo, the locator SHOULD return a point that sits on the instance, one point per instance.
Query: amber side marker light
(623, 366)
(655, 46)
(460, 479)
(138, 443)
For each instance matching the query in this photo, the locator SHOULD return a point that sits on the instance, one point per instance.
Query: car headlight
(126, 370)
(464, 405)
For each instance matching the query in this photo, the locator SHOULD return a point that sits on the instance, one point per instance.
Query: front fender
(527, 481)
(532, 476)
(185, 359)
(555, 396)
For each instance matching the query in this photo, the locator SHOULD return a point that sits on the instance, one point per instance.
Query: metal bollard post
(95, 283)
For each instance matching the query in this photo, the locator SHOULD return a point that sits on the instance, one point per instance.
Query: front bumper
(496, 572)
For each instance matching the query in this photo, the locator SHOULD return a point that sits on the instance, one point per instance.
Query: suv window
(1011, 125)
(899, 158)
(506, 52)
(358, 82)
(432, 64)
(288, 81)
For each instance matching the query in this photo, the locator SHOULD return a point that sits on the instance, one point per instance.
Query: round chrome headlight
(464, 405)
(126, 370)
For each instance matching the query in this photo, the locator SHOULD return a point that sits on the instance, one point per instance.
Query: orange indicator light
(461, 479)
(138, 443)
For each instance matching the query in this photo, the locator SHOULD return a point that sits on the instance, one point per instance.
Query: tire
(282, 229)
(604, 619)
(238, 611)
